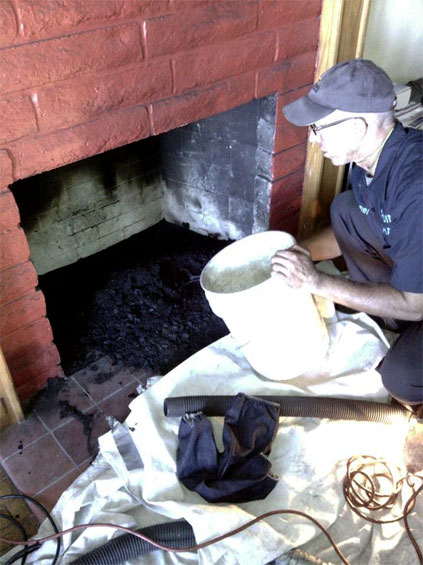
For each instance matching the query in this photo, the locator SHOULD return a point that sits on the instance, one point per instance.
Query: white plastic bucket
(279, 329)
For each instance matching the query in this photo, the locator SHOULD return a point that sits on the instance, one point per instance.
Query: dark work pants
(242, 472)
(362, 249)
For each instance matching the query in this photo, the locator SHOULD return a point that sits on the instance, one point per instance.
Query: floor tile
(118, 404)
(103, 378)
(79, 436)
(59, 402)
(37, 466)
(18, 436)
(49, 496)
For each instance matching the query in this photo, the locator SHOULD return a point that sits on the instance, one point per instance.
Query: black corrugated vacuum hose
(294, 406)
(177, 534)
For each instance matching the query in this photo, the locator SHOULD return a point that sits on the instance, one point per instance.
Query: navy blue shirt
(393, 205)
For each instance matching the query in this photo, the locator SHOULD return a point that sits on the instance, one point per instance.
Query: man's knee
(402, 368)
(343, 206)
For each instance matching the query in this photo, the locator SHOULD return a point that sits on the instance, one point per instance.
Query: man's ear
(361, 126)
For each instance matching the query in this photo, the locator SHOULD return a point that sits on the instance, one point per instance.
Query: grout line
(35, 413)
(63, 449)
(21, 451)
(86, 393)
(96, 405)
(52, 428)
(81, 466)
(28, 444)
(116, 392)
(53, 483)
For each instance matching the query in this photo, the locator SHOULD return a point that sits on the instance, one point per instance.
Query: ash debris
(140, 302)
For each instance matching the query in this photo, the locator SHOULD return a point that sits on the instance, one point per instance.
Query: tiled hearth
(43, 455)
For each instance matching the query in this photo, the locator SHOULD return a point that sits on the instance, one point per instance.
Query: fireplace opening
(119, 240)
(139, 302)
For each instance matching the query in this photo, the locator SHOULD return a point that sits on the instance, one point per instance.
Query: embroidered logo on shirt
(386, 219)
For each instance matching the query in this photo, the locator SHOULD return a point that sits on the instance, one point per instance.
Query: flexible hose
(123, 548)
(294, 406)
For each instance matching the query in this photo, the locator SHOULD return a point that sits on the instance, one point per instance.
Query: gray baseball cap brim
(304, 111)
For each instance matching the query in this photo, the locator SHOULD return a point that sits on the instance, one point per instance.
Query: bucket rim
(238, 243)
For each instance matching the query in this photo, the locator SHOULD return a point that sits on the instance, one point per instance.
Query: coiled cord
(370, 486)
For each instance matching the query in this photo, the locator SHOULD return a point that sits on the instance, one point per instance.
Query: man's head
(349, 110)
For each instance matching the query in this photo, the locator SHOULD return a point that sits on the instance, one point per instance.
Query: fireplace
(80, 79)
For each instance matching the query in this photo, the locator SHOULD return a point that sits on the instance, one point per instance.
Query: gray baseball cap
(353, 86)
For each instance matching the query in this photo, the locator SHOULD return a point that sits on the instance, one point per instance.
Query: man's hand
(295, 268)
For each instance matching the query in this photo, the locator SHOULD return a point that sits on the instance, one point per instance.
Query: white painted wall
(394, 38)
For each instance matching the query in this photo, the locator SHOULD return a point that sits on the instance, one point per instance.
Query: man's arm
(295, 268)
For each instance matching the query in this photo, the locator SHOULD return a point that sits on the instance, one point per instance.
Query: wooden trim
(10, 408)
(342, 33)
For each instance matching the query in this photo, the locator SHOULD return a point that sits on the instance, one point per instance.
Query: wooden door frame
(10, 408)
(342, 33)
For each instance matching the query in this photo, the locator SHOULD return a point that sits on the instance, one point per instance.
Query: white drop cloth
(307, 454)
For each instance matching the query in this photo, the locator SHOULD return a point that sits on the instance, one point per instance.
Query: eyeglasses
(315, 128)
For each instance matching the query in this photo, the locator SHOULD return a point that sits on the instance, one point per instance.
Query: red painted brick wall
(80, 77)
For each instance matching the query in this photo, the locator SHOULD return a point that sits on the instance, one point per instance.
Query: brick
(83, 99)
(298, 38)
(54, 17)
(17, 118)
(6, 170)
(90, 248)
(198, 26)
(285, 203)
(43, 356)
(26, 369)
(198, 104)
(38, 63)
(27, 342)
(275, 13)
(22, 312)
(145, 223)
(8, 24)
(207, 65)
(286, 75)
(37, 383)
(289, 161)
(184, 4)
(13, 248)
(302, 70)
(17, 281)
(9, 213)
(47, 264)
(34, 155)
(288, 187)
(286, 215)
(286, 134)
(148, 8)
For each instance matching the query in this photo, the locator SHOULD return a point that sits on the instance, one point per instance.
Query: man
(377, 224)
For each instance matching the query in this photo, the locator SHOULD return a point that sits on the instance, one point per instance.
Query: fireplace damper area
(139, 300)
